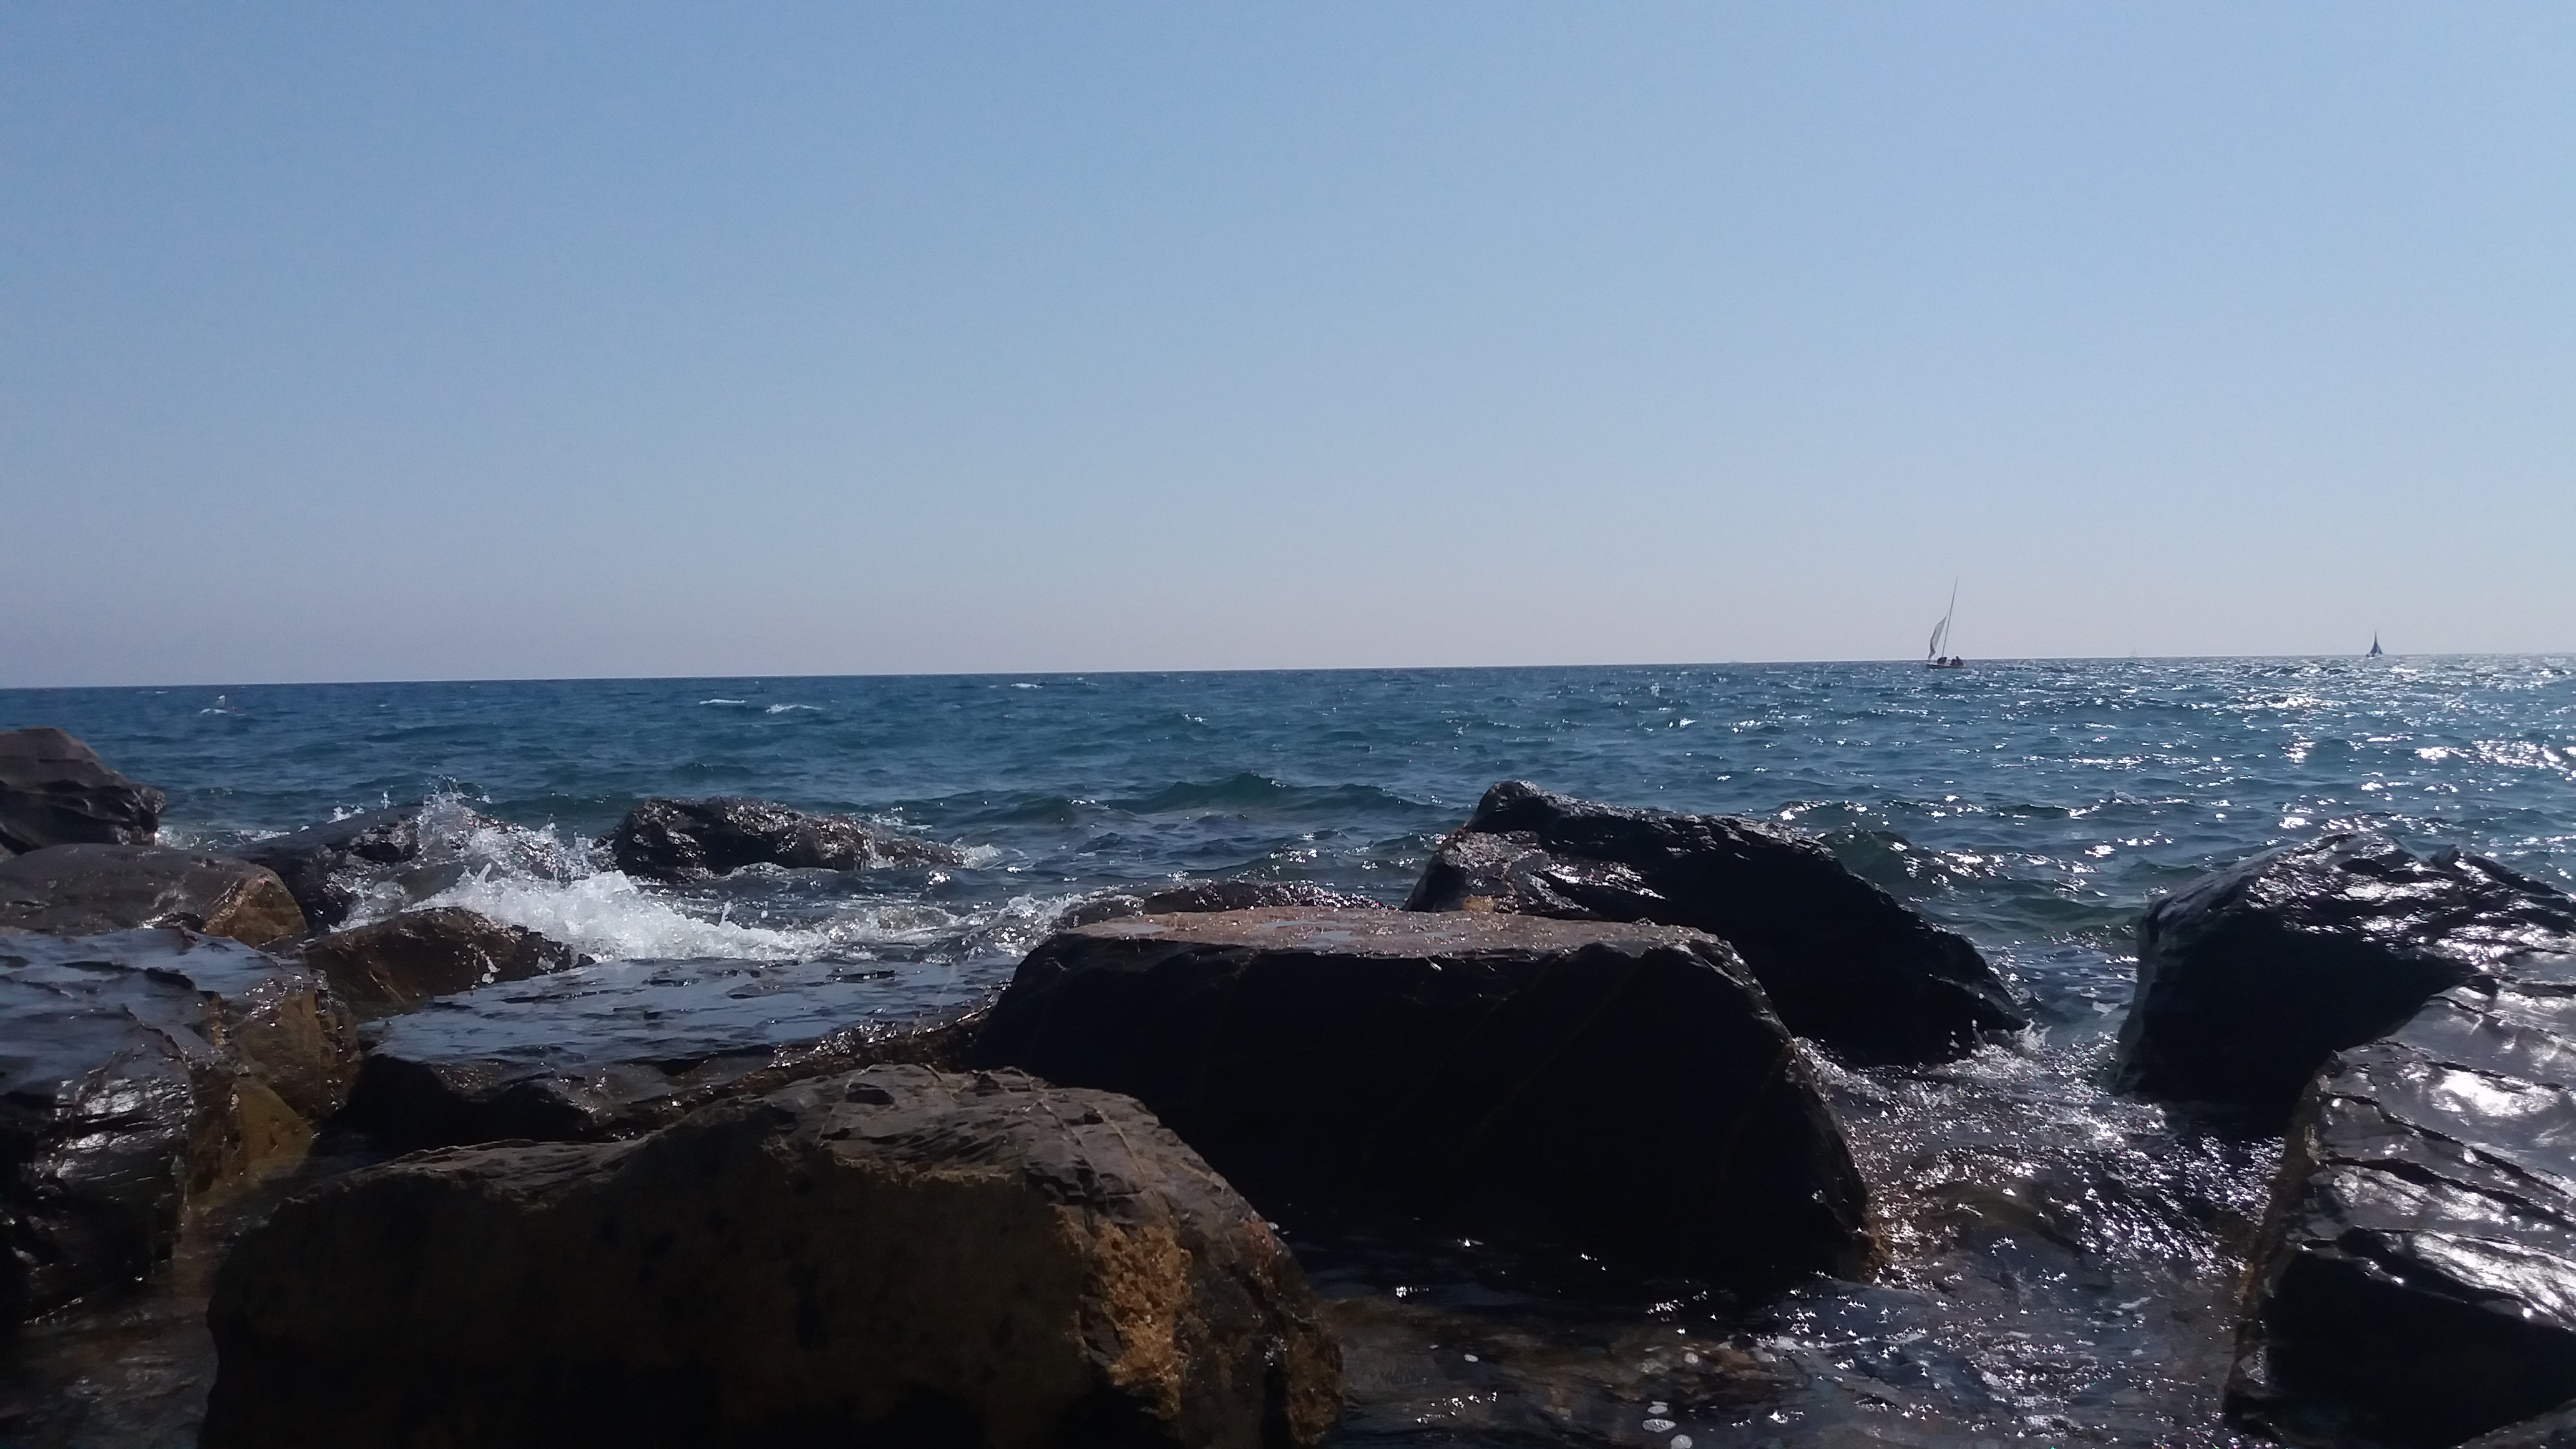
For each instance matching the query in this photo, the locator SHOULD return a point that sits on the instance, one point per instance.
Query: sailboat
(2375, 650)
(1933, 658)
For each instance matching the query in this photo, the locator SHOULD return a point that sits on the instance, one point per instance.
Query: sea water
(2062, 1260)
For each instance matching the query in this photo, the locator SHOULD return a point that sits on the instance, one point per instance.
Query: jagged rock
(678, 840)
(1844, 962)
(595, 1053)
(1210, 895)
(2250, 978)
(137, 1070)
(894, 1257)
(326, 866)
(54, 790)
(2415, 1280)
(1617, 1089)
(399, 963)
(81, 890)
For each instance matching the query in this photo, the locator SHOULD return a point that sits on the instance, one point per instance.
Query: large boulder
(81, 890)
(1620, 1090)
(596, 1053)
(2415, 1280)
(2250, 978)
(895, 1257)
(399, 963)
(138, 1071)
(327, 866)
(1210, 895)
(54, 790)
(1844, 962)
(681, 840)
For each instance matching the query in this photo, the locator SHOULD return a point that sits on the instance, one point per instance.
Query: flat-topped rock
(139, 1070)
(617, 1048)
(1845, 963)
(2415, 1282)
(2249, 979)
(894, 1257)
(82, 890)
(54, 790)
(398, 964)
(679, 840)
(1609, 1088)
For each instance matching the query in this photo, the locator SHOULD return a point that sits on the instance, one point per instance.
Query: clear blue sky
(431, 341)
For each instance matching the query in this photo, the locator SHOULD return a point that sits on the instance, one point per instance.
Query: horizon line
(1277, 669)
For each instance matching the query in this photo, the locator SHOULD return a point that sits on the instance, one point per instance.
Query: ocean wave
(792, 708)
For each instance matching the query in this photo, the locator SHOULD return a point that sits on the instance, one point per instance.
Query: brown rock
(140, 1071)
(82, 890)
(398, 963)
(896, 1257)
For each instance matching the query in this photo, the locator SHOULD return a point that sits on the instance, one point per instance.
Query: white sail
(1941, 631)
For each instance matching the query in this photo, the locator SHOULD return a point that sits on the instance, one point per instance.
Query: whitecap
(734, 703)
(610, 916)
(784, 708)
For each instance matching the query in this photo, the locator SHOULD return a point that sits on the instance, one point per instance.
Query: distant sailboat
(2375, 650)
(1933, 658)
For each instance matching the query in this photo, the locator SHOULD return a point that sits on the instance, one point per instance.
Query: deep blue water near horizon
(2061, 1260)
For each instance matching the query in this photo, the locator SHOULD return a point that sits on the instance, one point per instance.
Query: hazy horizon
(165, 685)
(467, 342)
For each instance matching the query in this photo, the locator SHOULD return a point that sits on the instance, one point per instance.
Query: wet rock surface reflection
(2061, 1268)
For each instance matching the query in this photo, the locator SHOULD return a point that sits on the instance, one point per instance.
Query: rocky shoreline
(1596, 1040)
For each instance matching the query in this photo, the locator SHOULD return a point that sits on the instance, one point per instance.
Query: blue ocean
(2062, 1258)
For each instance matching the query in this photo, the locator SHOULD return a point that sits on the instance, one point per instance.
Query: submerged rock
(892, 1257)
(54, 790)
(678, 840)
(599, 1052)
(1844, 962)
(2250, 978)
(399, 963)
(138, 1070)
(1622, 1090)
(327, 866)
(1211, 895)
(2415, 1282)
(81, 890)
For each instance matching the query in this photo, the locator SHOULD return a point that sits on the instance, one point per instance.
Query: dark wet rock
(2553, 1430)
(328, 866)
(399, 963)
(1210, 895)
(81, 890)
(892, 1257)
(2250, 978)
(679, 840)
(2415, 1281)
(612, 1050)
(54, 790)
(137, 1071)
(1617, 1089)
(1844, 962)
